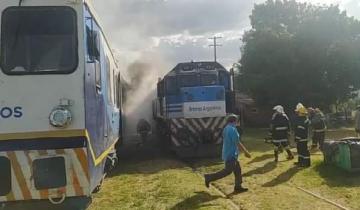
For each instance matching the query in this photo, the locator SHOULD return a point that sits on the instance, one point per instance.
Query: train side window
(118, 91)
(109, 81)
(115, 88)
(92, 42)
(93, 49)
(98, 77)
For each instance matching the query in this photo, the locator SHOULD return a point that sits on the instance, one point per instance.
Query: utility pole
(215, 44)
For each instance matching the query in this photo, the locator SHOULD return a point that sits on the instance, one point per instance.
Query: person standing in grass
(301, 136)
(317, 120)
(230, 152)
(280, 132)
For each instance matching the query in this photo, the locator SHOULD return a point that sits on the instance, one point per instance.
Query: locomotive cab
(60, 100)
(193, 101)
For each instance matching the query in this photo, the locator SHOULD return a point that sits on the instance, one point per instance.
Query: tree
(298, 52)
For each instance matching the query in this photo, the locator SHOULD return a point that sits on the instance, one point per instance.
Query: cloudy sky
(178, 30)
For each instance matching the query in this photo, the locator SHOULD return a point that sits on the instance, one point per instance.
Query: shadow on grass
(196, 201)
(261, 158)
(282, 178)
(269, 166)
(336, 177)
(150, 166)
(204, 162)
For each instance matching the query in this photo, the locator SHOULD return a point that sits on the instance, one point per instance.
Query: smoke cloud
(151, 36)
(142, 76)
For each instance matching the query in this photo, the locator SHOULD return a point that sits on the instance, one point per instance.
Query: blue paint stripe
(172, 111)
(43, 144)
(174, 105)
(176, 108)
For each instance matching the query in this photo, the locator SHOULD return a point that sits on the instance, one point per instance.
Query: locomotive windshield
(39, 40)
(208, 79)
(189, 80)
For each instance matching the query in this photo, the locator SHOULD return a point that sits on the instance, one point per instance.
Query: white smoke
(142, 76)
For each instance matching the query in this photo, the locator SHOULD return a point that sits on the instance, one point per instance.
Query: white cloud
(179, 29)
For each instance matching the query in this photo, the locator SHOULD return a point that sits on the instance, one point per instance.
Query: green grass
(165, 183)
(273, 186)
(155, 184)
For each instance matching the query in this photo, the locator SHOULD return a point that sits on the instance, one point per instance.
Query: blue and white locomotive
(191, 108)
(60, 101)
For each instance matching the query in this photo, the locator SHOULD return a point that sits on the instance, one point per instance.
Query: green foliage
(298, 52)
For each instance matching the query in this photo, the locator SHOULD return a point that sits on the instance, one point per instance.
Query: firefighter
(279, 132)
(143, 129)
(301, 136)
(318, 126)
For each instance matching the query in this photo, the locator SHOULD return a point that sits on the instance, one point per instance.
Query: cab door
(94, 85)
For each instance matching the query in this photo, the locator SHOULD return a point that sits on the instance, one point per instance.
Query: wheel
(111, 162)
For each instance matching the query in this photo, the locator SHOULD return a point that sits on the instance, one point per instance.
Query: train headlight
(60, 117)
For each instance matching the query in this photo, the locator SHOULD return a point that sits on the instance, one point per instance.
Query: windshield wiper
(20, 2)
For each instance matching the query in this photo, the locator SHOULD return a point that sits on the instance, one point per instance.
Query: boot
(313, 148)
(207, 181)
(290, 155)
(276, 154)
(240, 190)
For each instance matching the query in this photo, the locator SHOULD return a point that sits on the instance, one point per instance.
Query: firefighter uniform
(301, 136)
(318, 127)
(279, 131)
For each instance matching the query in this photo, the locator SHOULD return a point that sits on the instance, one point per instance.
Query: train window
(49, 173)
(115, 88)
(118, 91)
(109, 82)
(208, 79)
(209, 67)
(30, 45)
(98, 78)
(93, 44)
(171, 87)
(5, 176)
(189, 80)
(188, 68)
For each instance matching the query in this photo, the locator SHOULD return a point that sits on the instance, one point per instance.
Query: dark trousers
(303, 153)
(318, 139)
(232, 166)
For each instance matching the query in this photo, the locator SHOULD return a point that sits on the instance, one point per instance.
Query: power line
(215, 45)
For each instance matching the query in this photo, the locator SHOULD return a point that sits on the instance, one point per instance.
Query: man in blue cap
(230, 152)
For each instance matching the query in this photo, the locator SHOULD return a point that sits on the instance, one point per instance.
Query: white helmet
(279, 109)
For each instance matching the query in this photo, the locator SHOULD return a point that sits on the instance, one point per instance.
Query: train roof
(196, 67)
